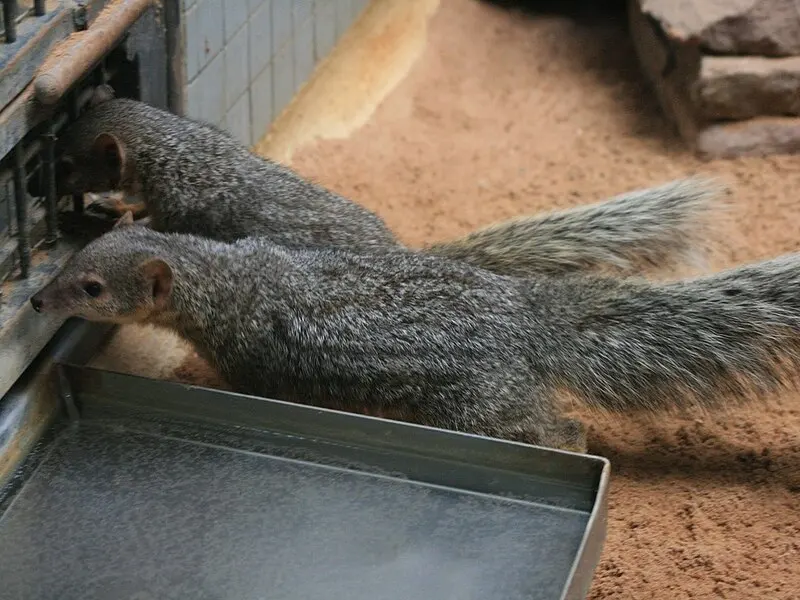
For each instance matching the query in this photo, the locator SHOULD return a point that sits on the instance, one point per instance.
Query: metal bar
(23, 332)
(80, 55)
(29, 152)
(39, 8)
(17, 119)
(21, 197)
(49, 176)
(30, 396)
(9, 205)
(24, 113)
(67, 397)
(176, 65)
(58, 123)
(33, 149)
(37, 37)
(74, 113)
(10, 10)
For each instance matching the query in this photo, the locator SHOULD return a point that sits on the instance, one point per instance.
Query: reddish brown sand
(505, 115)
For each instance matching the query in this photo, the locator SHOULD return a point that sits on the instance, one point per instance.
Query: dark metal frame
(11, 16)
(31, 247)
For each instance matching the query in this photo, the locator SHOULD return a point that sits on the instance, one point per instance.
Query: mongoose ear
(102, 93)
(158, 275)
(110, 150)
(126, 220)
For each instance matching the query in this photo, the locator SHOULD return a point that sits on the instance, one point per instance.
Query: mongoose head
(91, 157)
(117, 278)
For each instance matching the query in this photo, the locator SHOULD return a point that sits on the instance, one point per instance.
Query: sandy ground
(500, 115)
(504, 115)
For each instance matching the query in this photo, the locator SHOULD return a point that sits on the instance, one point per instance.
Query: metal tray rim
(62, 361)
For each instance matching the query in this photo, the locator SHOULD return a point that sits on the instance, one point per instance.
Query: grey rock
(761, 136)
(760, 27)
(741, 87)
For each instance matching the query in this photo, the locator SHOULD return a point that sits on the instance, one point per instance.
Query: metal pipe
(49, 175)
(34, 148)
(10, 11)
(9, 206)
(84, 50)
(7, 175)
(74, 113)
(21, 197)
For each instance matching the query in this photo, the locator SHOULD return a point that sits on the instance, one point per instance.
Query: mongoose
(194, 178)
(414, 337)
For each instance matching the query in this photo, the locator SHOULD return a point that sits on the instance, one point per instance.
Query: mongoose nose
(37, 303)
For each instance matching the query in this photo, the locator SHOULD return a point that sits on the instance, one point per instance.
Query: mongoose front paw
(572, 436)
(115, 204)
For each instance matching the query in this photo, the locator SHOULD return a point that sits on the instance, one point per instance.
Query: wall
(245, 59)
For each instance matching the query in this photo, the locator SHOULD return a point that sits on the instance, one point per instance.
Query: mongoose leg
(572, 436)
(561, 433)
(114, 205)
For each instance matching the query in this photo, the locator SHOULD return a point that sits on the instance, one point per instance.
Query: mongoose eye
(93, 288)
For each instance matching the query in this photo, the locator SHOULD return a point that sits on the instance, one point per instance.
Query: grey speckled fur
(197, 179)
(438, 342)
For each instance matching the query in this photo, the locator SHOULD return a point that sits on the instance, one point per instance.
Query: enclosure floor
(502, 115)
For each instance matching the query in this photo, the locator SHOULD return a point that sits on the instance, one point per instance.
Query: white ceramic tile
(282, 79)
(187, 4)
(281, 24)
(252, 5)
(237, 120)
(356, 8)
(193, 98)
(237, 66)
(261, 103)
(191, 30)
(324, 28)
(211, 29)
(303, 52)
(343, 17)
(301, 11)
(235, 15)
(261, 38)
(210, 87)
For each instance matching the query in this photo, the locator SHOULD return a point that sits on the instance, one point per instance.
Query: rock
(670, 69)
(695, 91)
(733, 87)
(761, 136)
(759, 27)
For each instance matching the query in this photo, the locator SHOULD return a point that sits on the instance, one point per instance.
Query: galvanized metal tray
(160, 490)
